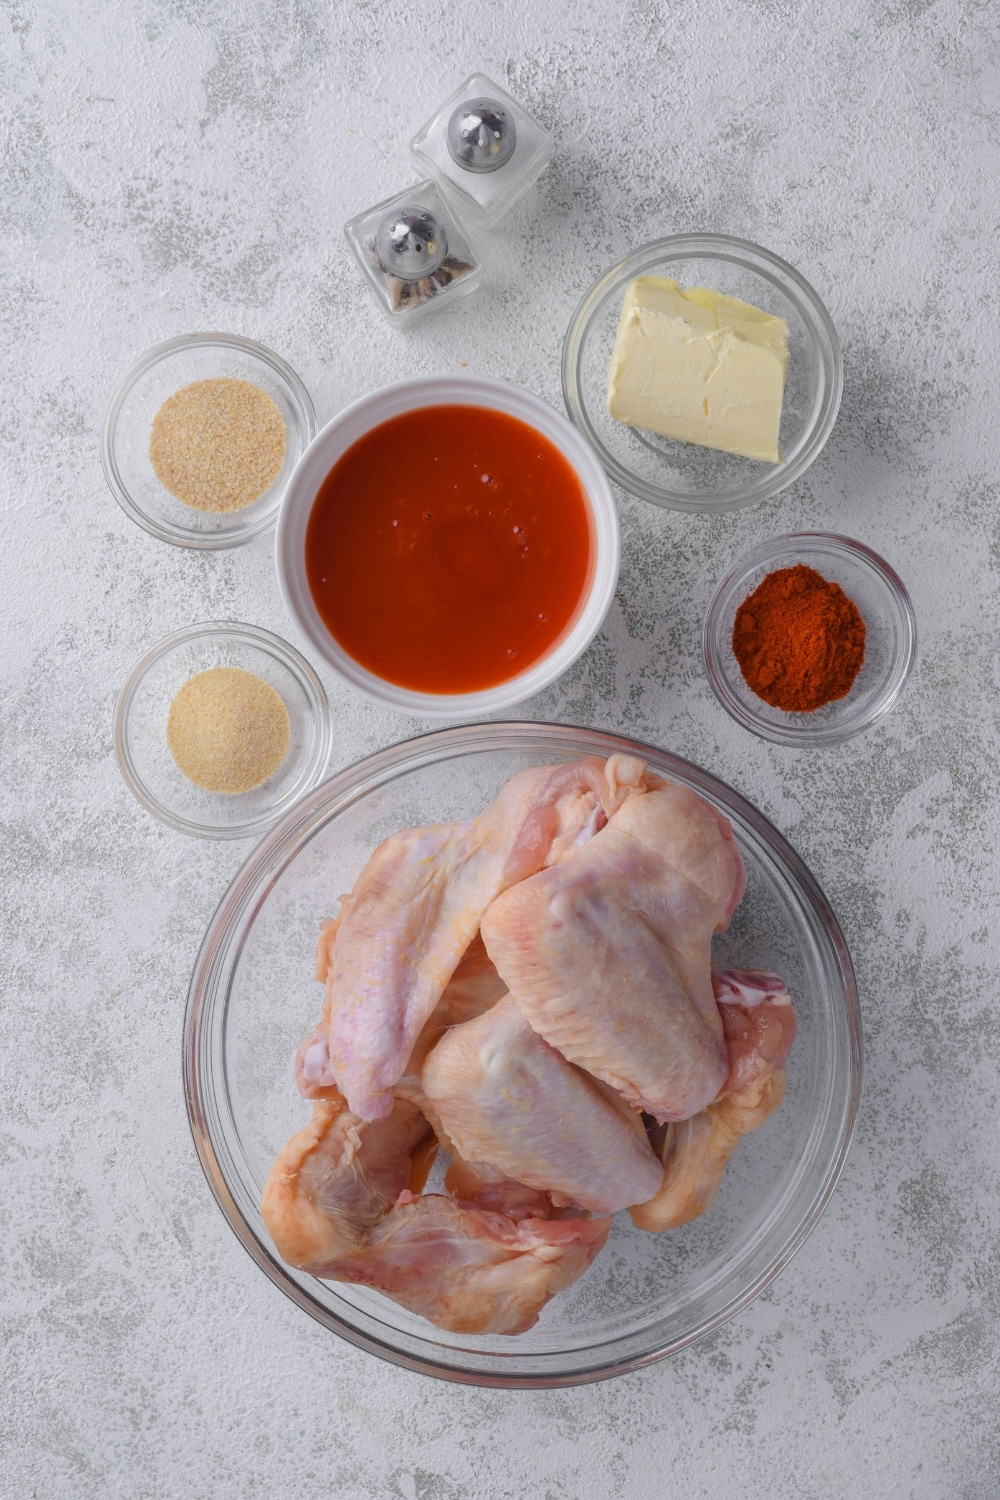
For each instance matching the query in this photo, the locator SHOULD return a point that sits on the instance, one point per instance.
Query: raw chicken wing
(336, 1179)
(759, 1024)
(608, 955)
(506, 1098)
(336, 1205)
(470, 1271)
(417, 905)
(472, 989)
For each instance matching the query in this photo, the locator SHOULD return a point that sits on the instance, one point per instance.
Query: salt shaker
(483, 149)
(414, 253)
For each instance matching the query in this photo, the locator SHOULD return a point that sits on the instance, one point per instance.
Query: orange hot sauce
(449, 548)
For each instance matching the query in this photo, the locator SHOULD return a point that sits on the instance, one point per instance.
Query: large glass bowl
(686, 476)
(253, 998)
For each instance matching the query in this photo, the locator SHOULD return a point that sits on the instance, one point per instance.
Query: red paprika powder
(799, 640)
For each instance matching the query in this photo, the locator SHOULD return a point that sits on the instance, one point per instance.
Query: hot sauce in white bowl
(459, 580)
(449, 545)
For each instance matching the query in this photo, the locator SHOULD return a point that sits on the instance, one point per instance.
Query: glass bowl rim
(254, 635)
(271, 857)
(799, 292)
(831, 732)
(299, 400)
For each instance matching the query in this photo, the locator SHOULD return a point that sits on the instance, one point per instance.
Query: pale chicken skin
(472, 989)
(336, 1179)
(608, 955)
(313, 1073)
(515, 990)
(477, 1185)
(506, 1098)
(336, 1205)
(470, 1271)
(759, 1025)
(417, 905)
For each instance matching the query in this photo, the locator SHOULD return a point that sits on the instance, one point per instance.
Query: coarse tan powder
(218, 444)
(228, 730)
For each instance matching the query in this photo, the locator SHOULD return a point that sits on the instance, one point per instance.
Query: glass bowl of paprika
(809, 639)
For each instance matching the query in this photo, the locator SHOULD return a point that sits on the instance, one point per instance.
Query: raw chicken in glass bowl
(254, 999)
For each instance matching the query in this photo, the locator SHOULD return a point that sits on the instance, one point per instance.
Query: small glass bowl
(685, 476)
(128, 422)
(140, 729)
(890, 644)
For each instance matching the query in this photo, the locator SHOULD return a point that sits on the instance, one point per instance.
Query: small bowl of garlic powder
(201, 436)
(220, 728)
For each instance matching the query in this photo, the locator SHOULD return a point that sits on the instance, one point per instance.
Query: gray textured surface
(173, 165)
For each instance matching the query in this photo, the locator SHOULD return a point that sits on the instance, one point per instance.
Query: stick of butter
(698, 366)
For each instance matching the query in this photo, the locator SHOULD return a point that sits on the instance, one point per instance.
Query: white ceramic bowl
(381, 406)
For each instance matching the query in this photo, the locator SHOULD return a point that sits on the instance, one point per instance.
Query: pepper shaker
(482, 148)
(414, 253)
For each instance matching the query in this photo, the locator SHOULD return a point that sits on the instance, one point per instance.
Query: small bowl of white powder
(220, 728)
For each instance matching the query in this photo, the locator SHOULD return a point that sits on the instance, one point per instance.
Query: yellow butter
(699, 366)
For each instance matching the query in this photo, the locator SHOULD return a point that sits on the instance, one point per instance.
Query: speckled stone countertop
(170, 165)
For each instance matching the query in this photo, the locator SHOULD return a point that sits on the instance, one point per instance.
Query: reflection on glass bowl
(253, 998)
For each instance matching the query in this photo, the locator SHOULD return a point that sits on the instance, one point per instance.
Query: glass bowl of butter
(705, 371)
